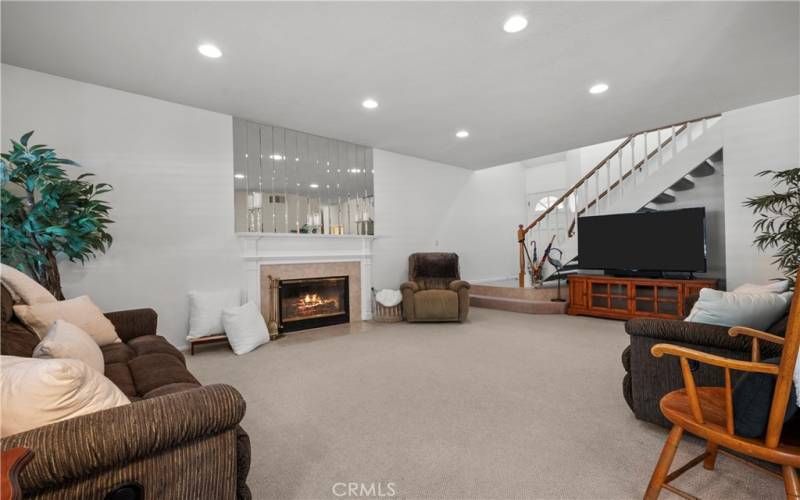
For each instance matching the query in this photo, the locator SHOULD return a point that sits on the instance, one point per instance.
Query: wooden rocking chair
(707, 412)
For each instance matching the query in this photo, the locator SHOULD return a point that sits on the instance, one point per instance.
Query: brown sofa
(647, 378)
(178, 439)
(434, 290)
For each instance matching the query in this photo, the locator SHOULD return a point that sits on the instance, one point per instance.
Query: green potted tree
(47, 215)
(778, 223)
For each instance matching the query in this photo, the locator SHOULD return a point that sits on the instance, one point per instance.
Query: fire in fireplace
(313, 302)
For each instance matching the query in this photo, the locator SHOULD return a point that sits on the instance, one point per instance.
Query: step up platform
(507, 296)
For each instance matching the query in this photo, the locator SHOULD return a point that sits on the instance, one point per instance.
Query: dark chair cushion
(7, 303)
(154, 344)
(752, 398)
(779, 327)
(117, 353)
(17, 340)
(152, 371)
(120, 374)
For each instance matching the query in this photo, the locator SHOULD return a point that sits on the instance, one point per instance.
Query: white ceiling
(434, 67)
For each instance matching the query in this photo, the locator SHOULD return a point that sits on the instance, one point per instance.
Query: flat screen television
(652, 242)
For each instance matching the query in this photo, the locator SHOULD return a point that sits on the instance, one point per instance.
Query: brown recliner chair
(434, 290)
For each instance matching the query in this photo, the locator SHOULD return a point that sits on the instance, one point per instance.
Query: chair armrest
(410, 285)
(81, 446)
(457, 285)
(659, 350)
(684, 332)
(756, 334)
(134, 323)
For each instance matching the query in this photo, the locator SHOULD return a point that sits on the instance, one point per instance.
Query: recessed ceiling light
(313, 186)
(238, 176)
(277, 157)
(598, 88)
(515, 24)
(209, 50)
(462, 134)
(370, 103)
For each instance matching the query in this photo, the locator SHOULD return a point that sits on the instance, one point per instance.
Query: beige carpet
(505, 406)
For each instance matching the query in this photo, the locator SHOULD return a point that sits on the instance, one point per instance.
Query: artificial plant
(46, 214)
(778, 223)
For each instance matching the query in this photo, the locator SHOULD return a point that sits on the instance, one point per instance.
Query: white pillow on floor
(65, 340)
(205, 311)
(776, 287)
(37, 392)
(245, 328)
(756, 310)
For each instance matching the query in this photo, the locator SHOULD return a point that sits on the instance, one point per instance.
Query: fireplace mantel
(260, 249)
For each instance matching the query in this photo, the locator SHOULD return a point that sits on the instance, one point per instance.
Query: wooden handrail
(579, 183)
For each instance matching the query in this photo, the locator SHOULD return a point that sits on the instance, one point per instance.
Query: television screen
(670, 240)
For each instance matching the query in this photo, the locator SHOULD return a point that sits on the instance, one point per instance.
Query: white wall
(423, 206)
(173, 203)
(761, 137)
(171, 167)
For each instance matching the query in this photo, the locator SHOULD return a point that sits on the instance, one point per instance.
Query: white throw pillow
(245, 328)
(756, 310)
(776, 287)
(36, 392)
(205, 311)
(389, 298)
(80, 311)
(23, 288)
(66, 341)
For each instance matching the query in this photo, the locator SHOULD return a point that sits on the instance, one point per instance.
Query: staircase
(648, 171)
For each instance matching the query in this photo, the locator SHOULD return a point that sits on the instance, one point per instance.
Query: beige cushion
(66, 341)
(36, 392)
(79, 311)
(436, 305)
(23, 288)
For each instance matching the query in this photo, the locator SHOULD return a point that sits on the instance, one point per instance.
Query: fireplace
(313, 302)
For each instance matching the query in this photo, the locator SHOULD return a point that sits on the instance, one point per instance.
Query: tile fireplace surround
(290, 256)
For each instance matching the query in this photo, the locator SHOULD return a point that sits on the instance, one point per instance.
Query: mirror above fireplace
(287, 181)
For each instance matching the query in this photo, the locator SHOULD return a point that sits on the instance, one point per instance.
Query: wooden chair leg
(711, 459)
(791, 482)
(664, 462)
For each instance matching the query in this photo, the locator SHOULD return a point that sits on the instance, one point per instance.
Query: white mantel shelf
(258, 249)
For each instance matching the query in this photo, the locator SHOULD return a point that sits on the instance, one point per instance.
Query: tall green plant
(46, 214)
(778, 222)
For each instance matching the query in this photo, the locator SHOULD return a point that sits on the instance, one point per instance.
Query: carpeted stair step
(663, 198)
(703, 170)
(518, 305)
(682, 185)
(716, 157)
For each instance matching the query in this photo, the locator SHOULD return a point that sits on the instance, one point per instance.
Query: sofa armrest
(78, 447)
(685, 332)
(457, 285)
(134, 323)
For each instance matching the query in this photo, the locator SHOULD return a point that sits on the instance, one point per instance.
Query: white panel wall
(423, 206)
(171, 167)
(761, 137)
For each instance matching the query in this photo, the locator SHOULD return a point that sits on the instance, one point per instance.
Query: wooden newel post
(521, 241)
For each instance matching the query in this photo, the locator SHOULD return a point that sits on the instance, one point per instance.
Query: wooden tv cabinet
(625, 298)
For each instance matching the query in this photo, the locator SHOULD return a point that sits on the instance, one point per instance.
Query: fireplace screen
(312, 302)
